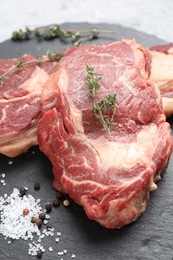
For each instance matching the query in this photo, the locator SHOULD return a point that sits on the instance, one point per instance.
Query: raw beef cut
(21, 91)
(109, 174)
(21, 86)
(162, 74)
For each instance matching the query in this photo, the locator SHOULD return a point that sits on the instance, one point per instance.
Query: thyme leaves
(20, 64)
(105, 109)
(77, 37)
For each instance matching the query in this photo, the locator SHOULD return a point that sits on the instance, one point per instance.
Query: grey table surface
(149, 16)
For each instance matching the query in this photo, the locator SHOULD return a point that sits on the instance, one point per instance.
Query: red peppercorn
(25, 212)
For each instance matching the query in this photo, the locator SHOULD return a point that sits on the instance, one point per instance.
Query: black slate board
(150, 237)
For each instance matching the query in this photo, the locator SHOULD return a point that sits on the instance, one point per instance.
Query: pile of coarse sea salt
(16, 214)
(15, 223)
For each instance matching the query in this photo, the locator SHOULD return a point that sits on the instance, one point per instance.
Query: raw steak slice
(20, 101)
(110, 175)
(162, 74)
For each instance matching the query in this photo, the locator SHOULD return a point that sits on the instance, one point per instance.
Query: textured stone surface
(149, 16)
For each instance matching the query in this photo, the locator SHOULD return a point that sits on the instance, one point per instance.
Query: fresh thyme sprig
(54, 55)
(20, 64)
(78, 37)
(50, 56)
(21, 34)
(2, 78)
(105, 109)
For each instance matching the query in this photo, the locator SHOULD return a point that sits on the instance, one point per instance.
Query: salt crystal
(58, 233)
(60, 253)
(57, 239)
(44, 230)
(73, 256)
(10, 162)
(47, 216)
(65, 251)
(50, 249)
(9, 242)
(3, 175)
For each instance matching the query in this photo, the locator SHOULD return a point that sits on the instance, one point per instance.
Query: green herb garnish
(2, 78)
(105, 109)
(19, 64)
(51, 56)
(77, 37)
(21, 34)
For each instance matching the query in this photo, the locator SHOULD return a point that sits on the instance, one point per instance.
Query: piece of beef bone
(108, 174)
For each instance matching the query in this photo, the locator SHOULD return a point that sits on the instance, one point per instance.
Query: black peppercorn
(48, 207)
(42, 216)
(33, 219)
(39, 253)
(56, 202)
(59, 195)
(22, 192)
(36, 186)
(38, 222)
(48, 227)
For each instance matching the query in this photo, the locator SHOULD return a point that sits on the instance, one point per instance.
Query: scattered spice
(50, 249)
(33, 219)
(66, 203)
(15, 225)
(48, 227)
(2, 181)
(26, 219)
(25, 212)
(57, 239)
(59, 195)
(22, 192)
(38, 222)
(42, 216)
(48, 207)
(10, 162)
(39, 254)
(36, 186)
(56, 202)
